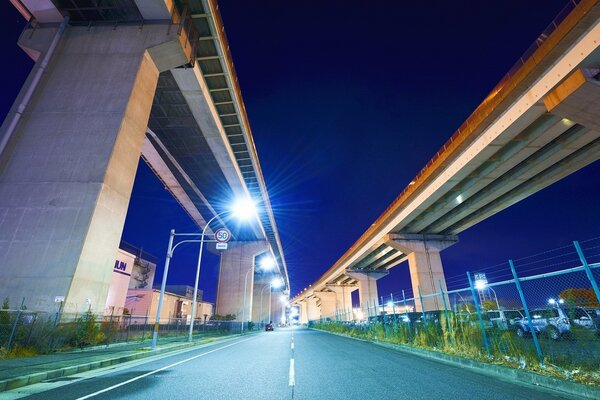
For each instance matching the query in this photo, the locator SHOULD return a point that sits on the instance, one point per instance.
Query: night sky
(347, 102)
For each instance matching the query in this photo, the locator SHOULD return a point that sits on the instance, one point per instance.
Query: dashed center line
(292, 380)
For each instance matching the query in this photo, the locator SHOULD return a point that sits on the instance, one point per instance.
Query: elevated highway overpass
(538, 125)
(125, 79)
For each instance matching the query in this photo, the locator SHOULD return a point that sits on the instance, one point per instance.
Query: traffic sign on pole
(222, 235)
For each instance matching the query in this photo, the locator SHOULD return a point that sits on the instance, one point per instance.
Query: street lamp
(266, 263)
(242, 209)
(276, 283)
(481, 284)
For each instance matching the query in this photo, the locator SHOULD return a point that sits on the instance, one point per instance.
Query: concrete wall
(67, 174)
(141, 301)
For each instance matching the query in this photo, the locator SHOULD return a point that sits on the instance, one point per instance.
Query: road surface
(284, 364)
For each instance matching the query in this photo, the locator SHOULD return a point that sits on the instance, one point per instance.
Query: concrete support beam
(343, 296)
(367, 286)
(577, 98)
(328, 307)
(303, 311)
(68, 170)
(277, 308)
(261, 299)
(425, 263)
(313, 311)
(236, 276)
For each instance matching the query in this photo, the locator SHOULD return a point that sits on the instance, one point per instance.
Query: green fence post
(446, 312)
(421, 301)
(538, 349)
(588, 270)
(14, 327)
(476, 301)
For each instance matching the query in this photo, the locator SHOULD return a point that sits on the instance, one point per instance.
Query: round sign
(222, 235)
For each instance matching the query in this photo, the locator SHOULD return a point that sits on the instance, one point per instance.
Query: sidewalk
(19, 372)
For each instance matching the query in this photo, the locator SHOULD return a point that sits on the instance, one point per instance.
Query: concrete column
(312, 309)
(261, 292)
(343, 295)
(367, 286)
(425, 263)
(68, 170)
(303, 311)
(277, 307)
(328, 304)
(236, 271)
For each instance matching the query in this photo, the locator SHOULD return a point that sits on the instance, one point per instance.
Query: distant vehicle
(505, 319)
(553, 321)
(268, 327)
(588, 318)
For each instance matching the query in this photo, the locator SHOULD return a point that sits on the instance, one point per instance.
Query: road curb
(30, 379)
(497, 371)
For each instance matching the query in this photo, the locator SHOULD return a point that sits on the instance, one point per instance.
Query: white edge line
(158, 370)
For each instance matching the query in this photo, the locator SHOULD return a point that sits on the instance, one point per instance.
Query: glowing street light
(242, 209)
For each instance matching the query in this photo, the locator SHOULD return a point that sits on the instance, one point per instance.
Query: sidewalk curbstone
(37, 377)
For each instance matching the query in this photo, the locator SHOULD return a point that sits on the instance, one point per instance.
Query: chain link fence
(540, 312)
(42, 332)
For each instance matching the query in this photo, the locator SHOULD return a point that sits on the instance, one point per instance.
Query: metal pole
(588, 270)
(244, 307)
(14, 328)
(538, 349)
(404, 301)
(476, 301)
(421, 301)
(393, 306)
(198, 274)
(446, 312)
(162, 290)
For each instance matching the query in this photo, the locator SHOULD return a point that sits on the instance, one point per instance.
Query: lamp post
(243, 209)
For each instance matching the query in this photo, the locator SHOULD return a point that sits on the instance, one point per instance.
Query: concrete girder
(577, 160)
(536, 165)
(515, 151)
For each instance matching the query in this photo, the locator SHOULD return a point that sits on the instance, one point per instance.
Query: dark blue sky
(347, 101)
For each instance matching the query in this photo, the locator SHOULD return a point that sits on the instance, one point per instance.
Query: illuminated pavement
(285, 364)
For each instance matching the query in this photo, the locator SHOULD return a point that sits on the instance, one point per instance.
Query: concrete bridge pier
(328, 304)
(343, 300)
(237, 271)
(277, 307)
(313, 310)
(425, 263)
(73, 141)
(303, 311)
(367, 288)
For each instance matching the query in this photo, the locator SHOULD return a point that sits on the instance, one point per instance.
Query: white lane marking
(157, 370)
(292, 373)
(292, 346)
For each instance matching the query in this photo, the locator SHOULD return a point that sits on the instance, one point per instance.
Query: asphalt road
(287, 364)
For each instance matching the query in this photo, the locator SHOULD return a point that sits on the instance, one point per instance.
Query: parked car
(505, 319)
(588, 318)
(553, 321)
